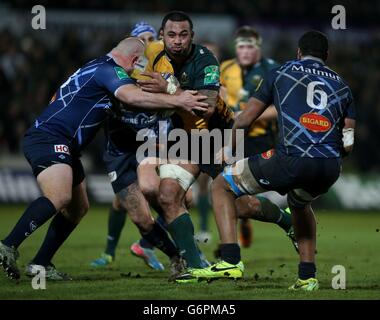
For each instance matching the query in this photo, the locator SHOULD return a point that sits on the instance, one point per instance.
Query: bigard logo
(315, 122)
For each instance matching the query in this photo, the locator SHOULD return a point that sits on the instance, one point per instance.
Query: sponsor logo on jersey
(323, 73)
(61, 148)
(268, 154)
(212, 75)
(121, 73)
(315, 122)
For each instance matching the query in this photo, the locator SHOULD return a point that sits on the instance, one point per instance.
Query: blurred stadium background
(33, 63)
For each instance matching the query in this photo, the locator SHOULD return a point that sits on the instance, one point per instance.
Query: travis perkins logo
(315, 122)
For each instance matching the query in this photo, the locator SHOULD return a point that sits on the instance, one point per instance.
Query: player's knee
(116, 204)
(60, 201)
(76, 214)
(299, 199)
(168, 194)
(189, 198)
(175, 174)
(84, 208)
(248, 207)
(148, 190)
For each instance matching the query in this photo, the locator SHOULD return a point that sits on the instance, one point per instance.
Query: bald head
(127, 52)
(130, 46)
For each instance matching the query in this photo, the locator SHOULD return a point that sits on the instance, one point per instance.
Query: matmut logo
(315, 122)
(61, 148)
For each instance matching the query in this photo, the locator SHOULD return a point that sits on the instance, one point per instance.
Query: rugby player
(316, 118)
(204, 181)
(123, 169)
(53, 145)
(239, 77)
(134, 183)
(197, 68)
(118, 213)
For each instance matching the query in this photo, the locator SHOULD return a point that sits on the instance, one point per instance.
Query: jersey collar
(312, 58)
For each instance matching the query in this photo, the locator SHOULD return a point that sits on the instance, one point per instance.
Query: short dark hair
(314, 43)
(176, 16)
(247, 32)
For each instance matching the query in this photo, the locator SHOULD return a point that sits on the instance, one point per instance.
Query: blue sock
(145, 243)
(230, 252)
(59, 230)
(35, 215)
(161, 221)
(160, 239)
(306, 270)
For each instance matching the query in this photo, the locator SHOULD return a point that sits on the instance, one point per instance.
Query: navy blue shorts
(43, 149)
(256, 145)
(274, 170)
(121, 169)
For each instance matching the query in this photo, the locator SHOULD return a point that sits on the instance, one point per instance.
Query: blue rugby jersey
(81, 104)
(312, 102)
(122, 127)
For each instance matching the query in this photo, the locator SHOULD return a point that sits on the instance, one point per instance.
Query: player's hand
(189, 101)
(156, 83)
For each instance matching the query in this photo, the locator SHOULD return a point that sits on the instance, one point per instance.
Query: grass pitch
(350, 239)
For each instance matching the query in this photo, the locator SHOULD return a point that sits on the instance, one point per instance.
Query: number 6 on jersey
(311, 91)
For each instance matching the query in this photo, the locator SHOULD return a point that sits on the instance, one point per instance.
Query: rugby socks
(116, 222)
(230, 252)
(270, 212)
(306, 270)
(59, 230)
(203, 206)
(161, 221)
(182, 231)
(145, 243)
(160, 239)
(37, 213)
